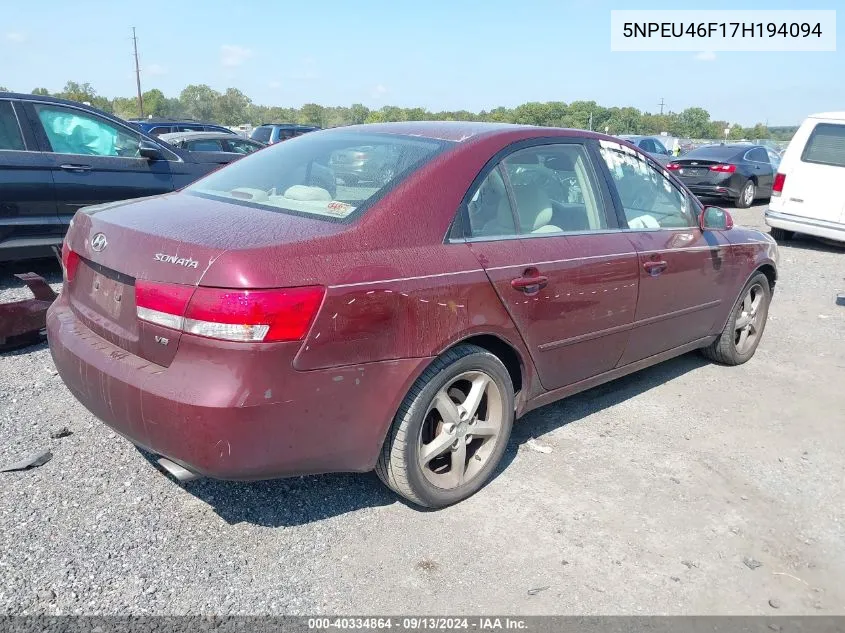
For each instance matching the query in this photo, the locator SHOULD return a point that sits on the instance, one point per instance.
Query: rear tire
(437, 459)
(781, 235)
(739, 340)
(746, 195)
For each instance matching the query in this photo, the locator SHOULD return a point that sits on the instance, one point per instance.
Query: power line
(661, 104)
(138, 76)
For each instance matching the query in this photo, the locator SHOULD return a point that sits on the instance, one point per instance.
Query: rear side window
(10, 131)
(826, 145)
(160, 130)
(205, 145)
(261, 134)
(328, 176)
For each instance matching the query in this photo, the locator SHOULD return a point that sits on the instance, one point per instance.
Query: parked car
(367, 163)
(651, 145)
(737, 172)
(808, 196)
(211, 142)
(57, 156)
(159, 126)
(253, 326)
(269, 133)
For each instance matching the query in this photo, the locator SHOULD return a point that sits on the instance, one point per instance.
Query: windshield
(329, 175)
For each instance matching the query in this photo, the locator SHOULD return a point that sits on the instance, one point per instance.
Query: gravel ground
(687, 488)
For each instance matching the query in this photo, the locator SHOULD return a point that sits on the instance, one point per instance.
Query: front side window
(299, 176)
(10, 131)
(660, 148)
(554, 189)
(826, 145)
(650, 200)
(72, 131)
(647, 145)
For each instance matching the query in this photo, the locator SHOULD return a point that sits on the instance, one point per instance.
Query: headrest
(304, 192)
(543, 218)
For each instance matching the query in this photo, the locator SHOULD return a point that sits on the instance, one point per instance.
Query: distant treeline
(233, 107)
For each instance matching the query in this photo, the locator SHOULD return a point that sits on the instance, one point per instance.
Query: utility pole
(591, 120)
(138, 76)
(661, 104)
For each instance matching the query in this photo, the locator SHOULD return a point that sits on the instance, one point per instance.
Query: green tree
(41, 92)
(75, 91)
(154, 102)
(694, 122)
(198, 101)
(231, 107)
(4, 89)
(358, 113)
(311, 114)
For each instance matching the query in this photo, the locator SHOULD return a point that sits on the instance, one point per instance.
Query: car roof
(837, 116)
(172, 136)
(461, 131)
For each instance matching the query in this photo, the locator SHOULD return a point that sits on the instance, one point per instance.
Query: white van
(809, 189)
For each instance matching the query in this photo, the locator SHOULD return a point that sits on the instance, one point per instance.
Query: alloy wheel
(460, 430)
(748, 194)
(748, 321)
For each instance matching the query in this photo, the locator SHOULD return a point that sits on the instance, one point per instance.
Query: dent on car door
(539, 226)
(28, 201)
(685, 273)
(95, 160)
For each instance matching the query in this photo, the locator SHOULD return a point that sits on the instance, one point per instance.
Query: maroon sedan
(255, 325)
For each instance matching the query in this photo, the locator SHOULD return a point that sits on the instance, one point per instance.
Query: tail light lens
(777, 187)
(230, 315)
(70, 262)
(725, 169)
(673, 166)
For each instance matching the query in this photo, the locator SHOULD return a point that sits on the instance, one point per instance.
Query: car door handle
(529, 284)
(655, 268)
(71, 167)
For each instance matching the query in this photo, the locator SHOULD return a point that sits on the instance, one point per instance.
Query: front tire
(746, 195)
(744, 329)
(451, 429)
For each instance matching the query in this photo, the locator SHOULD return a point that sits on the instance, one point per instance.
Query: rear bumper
(808, 226)
(232, 411)
(714, 191)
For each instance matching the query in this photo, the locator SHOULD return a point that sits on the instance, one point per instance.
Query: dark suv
(269, 133)
(57, 156)
(154, 126)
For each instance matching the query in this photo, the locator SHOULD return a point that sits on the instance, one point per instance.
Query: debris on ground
(30, 461)
(59, 434)
(752, 563)
(534, 592)
(537, 447)
(774, 603)
(23, 323)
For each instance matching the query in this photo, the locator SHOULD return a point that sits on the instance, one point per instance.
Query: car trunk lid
(172, 239)
(697, 171)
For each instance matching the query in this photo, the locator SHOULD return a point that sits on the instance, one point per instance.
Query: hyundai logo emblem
(99, 242)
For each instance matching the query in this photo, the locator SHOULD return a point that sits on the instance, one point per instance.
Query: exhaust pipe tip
(181, 473)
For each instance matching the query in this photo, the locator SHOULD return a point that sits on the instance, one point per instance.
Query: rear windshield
(327, 175)
(826, 145)
(261, 134)
(714, 152)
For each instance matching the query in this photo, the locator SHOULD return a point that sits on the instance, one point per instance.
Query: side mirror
(150, 151)
(715, 219)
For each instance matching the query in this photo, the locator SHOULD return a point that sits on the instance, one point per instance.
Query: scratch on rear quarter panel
(338, 378)
(268, 394)
(227, 449)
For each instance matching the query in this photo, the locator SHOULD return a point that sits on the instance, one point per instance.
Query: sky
(440, 55)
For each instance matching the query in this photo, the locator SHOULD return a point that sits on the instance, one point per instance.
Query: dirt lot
(688, 488)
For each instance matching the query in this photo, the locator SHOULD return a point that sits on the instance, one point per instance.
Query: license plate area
(105, 300)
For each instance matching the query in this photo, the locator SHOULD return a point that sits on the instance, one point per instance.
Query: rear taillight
(70, 262)
(673, 166)
(777, 186)
(230, 315)
(725, 169)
